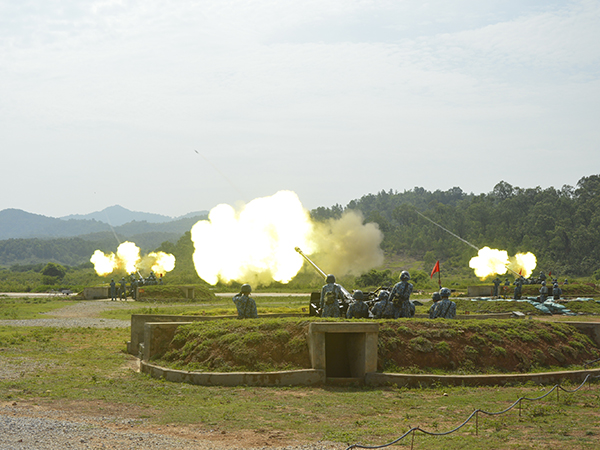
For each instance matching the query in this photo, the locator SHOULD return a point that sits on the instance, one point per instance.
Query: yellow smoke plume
(490, 261)
(256, 243)
(128, 260)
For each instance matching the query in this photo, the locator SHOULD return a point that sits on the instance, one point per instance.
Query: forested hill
(560, 226)
(72, 242)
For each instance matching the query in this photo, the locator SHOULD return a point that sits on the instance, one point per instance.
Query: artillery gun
(315, 297)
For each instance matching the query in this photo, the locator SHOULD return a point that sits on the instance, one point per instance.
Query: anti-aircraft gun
(315, 298)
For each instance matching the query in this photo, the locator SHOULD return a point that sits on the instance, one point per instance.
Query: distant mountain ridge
(19, 224)
(117, 215)
(27, 238)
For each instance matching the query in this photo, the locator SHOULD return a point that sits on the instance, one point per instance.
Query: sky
(172, 107)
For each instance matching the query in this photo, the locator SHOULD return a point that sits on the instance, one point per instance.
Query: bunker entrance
(344, 355)
(343, 349)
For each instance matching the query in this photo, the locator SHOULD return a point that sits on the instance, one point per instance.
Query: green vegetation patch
(166, 293)
(481, 346)
(30, 308)
(233, 345)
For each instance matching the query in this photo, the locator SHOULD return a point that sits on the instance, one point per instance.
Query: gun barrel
(323, 274)
(317, 268)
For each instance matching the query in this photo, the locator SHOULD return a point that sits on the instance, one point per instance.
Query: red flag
(520, 272)
(550, 273)
(436, 268)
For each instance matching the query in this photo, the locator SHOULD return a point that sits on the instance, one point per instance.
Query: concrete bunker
(344, 350)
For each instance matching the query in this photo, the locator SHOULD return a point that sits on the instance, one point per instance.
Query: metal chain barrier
(475, 414)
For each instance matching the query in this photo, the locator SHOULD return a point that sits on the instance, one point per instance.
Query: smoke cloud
(255, 244)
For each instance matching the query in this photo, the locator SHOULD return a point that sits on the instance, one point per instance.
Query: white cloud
(281, 89)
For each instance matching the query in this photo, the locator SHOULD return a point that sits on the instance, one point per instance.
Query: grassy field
(91, 366)
(88, 371)
(30, 308)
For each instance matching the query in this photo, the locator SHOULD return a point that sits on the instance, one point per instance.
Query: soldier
(496, 282)
(518, 283)
(358, 309)
(542, 277)
(113, 290)
(445, 308)
(246, 306)
(435, 298)
(331, 293)
(400, 297)
(133, 287)
(383, 309)
(566, 281)
(123, 289)
(556, 292)
(543, 292)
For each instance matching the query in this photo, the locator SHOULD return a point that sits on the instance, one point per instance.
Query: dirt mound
(406, 345)
(480, 346)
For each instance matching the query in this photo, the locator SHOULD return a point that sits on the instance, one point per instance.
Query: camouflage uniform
(400, 297)
(496, 282)
(246, 306)
(113, 290)
(556, 292)
(445, 308)
(518, 283)
(330, 293)
(543, 292)
(123, 289)
(435, 298)
(384, 309)
(358, 309)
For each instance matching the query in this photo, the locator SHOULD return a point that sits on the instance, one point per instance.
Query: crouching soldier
(246, 306)
(445, 308)
(358, 309)
(383, 309)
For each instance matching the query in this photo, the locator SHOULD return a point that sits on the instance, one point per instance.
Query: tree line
(560, 226)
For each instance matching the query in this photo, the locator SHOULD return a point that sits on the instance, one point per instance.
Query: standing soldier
(445, 308)
(543, 292)
(123, 289)
(358, 309)
(383, 309)
(246, 306)
(113, 290)
(496, 282)
(330, 294)
(400, 297)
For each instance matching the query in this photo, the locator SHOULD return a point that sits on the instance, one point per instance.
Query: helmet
(383, 295)
(436, 296)
(445, 292)
(358, 295)
(246, 289)
(330, 278)
(543, 283)
(404, 275)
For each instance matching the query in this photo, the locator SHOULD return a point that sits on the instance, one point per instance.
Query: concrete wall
(285, 378)
(96, 293)
(480, 291)
(359, 344)
(591, 329)
(409, 380)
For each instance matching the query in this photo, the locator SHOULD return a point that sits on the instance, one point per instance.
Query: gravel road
(25, 426)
